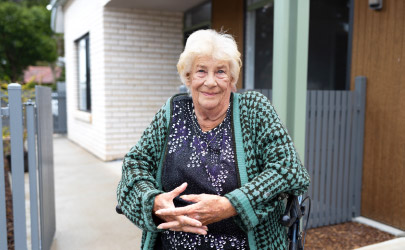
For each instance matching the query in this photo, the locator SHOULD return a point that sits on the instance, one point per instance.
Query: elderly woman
(207, 171)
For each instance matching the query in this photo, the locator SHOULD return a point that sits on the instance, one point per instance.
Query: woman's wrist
(229, 209)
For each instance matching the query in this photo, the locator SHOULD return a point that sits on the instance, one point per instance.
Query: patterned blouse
(206, 161)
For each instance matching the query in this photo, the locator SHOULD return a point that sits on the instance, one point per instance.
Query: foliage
(25, 37)
(6, 140)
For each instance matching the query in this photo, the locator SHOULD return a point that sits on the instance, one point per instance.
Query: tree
(25, 37)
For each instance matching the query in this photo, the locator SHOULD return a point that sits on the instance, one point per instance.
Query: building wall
(228, 15)
(133, 56)
(86, 129)
(141, 53)
(378, 53)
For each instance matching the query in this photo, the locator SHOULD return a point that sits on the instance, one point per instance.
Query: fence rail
(334, 152)
(38, 125)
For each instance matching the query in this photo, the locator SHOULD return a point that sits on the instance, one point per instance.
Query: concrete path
(85, 202)
(395, 244)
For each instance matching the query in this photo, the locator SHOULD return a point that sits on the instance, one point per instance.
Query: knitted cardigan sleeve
(273, 165)
(138, 186)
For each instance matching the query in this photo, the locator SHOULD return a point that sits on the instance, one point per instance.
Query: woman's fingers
(185, 224)
(169, 225)
(192, 197)
(181, 221)
(177, 211)
(196, 230)
(178, 190)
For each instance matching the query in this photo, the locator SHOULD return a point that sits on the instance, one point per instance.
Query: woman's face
(210, 83)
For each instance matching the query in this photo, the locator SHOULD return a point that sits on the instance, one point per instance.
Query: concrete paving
(395, 244)
(85, 200)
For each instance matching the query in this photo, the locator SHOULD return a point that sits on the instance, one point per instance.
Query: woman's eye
(221, 71)
(201, 71)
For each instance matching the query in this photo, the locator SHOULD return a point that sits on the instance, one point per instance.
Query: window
(328, 53)
(259, 44)
(328, 49)
(196, 18)
(83, 60)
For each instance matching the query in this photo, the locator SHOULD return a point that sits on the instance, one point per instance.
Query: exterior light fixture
(375, 4)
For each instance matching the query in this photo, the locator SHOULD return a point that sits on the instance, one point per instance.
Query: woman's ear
(233, 88)
(188, 79)
(233, 85)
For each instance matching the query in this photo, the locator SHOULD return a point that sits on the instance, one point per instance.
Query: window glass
(259, 45)
(84, 74)
(328, 66)
(328, 45)
(196, 18)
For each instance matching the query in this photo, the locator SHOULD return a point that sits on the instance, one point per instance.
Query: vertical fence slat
(324, 147)
(346, 197)
(335, 158)
(353, 167)
(17, 166)
(45, 166)
(341, 156)
(329, 176)
(311, 150)
(307, 112)
(306, 135)
(317, 155)
(3, 215)
(32, 164)
(360, 90)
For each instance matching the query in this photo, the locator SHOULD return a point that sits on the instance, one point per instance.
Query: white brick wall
(86, 129)
(133, 57)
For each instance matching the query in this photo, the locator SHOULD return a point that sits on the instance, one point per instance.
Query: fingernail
(159, 227)
(158, 212)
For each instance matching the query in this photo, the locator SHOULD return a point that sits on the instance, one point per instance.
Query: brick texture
(133, 56)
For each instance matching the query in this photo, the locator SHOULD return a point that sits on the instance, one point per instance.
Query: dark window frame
(87, 106)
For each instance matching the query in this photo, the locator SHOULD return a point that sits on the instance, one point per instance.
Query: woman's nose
(210, 81)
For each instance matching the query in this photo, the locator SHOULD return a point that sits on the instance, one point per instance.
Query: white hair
(219, 46)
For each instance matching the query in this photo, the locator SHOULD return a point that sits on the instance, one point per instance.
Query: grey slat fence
(45, 161)
(334, 152)
(38, 119)
(59, 109)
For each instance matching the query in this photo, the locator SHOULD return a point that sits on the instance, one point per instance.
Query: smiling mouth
(209, 94)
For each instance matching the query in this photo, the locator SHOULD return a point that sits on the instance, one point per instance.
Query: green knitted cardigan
(267, 165)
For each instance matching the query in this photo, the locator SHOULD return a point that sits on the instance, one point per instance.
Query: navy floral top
(206, 161)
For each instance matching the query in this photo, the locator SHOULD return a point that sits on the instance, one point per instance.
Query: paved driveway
(85, 202)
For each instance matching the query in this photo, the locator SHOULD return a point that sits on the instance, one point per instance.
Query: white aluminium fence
(38, 123)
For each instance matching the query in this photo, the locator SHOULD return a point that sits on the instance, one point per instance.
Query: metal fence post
(360, 89)
(3, 215)
(17, 165)
(32, 164)
(46, 187)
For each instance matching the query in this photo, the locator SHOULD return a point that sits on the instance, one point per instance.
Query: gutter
(57, 15)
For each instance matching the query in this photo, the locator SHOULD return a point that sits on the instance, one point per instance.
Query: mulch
(349, 235)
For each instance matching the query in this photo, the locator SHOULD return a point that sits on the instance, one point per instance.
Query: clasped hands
(207, 209)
